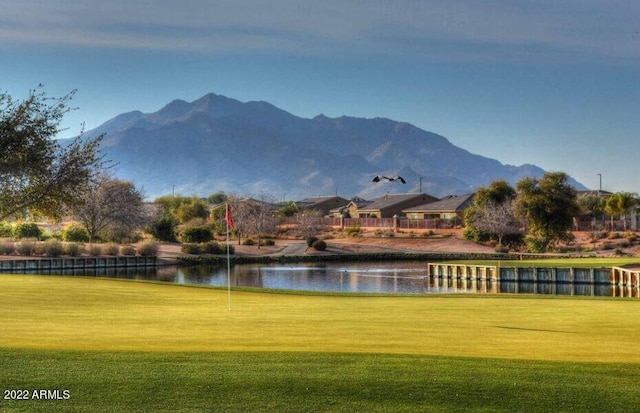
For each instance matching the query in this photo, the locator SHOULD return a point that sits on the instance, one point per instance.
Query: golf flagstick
(230, 224)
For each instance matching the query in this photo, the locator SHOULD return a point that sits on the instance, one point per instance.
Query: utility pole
(600, 190)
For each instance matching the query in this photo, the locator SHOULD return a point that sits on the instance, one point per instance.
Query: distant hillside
(220, 144)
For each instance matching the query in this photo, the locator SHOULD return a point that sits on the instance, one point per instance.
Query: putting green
(66, 313)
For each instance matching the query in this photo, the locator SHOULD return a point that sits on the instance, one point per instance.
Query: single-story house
(447, 208)
(324, 204)
(350, 210)
(392, 204)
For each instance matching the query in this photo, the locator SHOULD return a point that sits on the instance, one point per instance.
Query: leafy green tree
(193, 209)
(547, 206)
(37, 173)
(217, 198)
(163, 229)
(619, 204)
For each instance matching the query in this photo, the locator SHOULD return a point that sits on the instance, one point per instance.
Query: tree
(547, 206)
(497, 218)
(37, 173)
(194, 208)
(111, 206)
(491, 216)
(261, 218)
(619, 204)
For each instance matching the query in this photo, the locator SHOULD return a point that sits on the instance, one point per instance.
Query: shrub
(248, 241)
(190, 248)
(268, 242)
(72, 249)
(213, 247)
(110, 249)
(197, 234)
(53, 248)
(613, 235)
(148, 249)
(26, 230)
(95, 250)
(7, 247)
(127, 250)
(6, 230)
(319, 245)
(163, 229)
(26, 247)
(353, 231)
(502, 249)
(75, 233)
(311, 240)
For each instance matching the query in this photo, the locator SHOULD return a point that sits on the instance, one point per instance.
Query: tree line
(40, 177)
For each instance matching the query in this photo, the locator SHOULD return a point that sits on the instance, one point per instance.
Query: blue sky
(552, 83)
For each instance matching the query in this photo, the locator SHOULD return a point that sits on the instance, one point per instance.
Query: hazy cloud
(499, 29)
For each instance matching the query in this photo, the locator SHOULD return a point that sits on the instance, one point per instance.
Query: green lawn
(131, 346)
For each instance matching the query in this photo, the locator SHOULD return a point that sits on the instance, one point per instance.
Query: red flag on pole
(228, 217)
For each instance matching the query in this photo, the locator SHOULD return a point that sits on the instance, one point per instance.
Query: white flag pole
(228, 260)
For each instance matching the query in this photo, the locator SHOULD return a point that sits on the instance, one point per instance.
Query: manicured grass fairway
(129, 346)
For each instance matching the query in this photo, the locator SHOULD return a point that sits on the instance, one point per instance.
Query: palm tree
(619, 204)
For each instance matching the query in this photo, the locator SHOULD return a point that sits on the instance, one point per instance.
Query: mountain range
(217, 143)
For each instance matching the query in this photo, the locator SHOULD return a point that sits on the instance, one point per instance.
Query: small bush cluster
(211, 247)
(53, 248)
(74, 233)
(148, 249)
(311, 240)
(23, 230)
(197, 234)
(73, 249)
(353, 231)
(110, 249)
(128, 250)
(319, 245)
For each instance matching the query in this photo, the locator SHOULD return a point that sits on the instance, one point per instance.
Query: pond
(399, 277)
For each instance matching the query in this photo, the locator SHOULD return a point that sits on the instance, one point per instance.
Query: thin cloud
(462, 30)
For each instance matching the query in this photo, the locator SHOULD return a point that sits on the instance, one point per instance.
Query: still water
(378, 277)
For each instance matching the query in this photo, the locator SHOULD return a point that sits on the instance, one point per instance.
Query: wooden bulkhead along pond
(76, 263)
(605, 275)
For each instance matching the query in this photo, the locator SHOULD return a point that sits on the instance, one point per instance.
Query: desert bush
(268, 242)
(148, 249)
(127, 250)
(53, 248)
(72, 249)
(26, 247)
(23, 230)
(311, 240)
(110, 248)
(191, 248)
(606, 246)
(163, 229)
(613, 235)
(248, 241)
(74, 233)
(213, 247)
(94, 250)
(7, 246)
(198, 234)
(353, 231)
(502, 249)
(319, 245)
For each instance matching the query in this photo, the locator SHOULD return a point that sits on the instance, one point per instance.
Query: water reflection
(378, 277)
